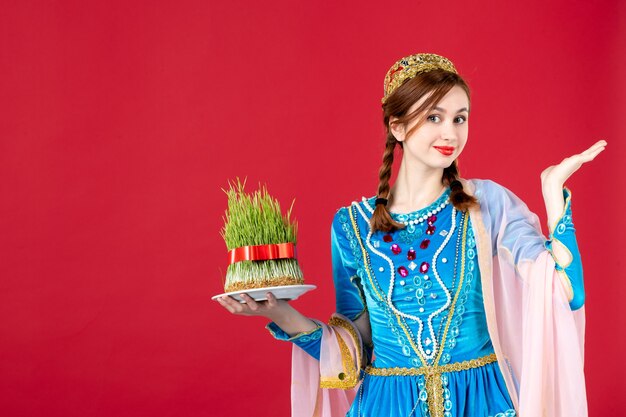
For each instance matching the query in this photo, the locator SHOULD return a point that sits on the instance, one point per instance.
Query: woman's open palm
(558, 174)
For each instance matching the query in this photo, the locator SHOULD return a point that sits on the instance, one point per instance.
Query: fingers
(227, 303)
(586, 155)
(598, 146)
(250, 307)
(596, 152)
(593, 151)
(271, 300)
(253, 305)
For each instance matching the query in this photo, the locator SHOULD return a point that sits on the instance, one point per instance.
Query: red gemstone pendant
(403, 271)
(430, 230)
(395, 248)
(424, 244)
(387, 238)
(424, 267)
(432, 219)
(410, 254)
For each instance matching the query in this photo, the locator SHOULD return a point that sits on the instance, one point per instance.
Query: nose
(448, 131)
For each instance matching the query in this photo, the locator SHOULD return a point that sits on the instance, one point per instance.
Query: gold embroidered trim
(358, 235)
(348, 378)
(459, 288)
(369, 275)
(338, 321)
(434, 384)
(427, 370)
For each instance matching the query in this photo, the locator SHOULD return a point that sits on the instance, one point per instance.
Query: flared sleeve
(327, 361)
(521, 238)
(538, 337)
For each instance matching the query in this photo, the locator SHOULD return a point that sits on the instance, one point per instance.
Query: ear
(396, 129)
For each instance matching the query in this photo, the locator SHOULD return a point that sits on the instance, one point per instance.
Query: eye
(434, 118)
(460, 119)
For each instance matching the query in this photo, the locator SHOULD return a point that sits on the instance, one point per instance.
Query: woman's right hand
(270, 308)
(279, 311)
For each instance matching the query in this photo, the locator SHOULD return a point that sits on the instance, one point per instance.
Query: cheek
(463, 137)
(462, 142)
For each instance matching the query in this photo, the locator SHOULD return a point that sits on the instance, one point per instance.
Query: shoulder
(360, 210)
(361, 205)
(487, 190)
(499, 202)
(483, 185)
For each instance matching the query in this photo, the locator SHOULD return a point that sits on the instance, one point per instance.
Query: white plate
(285, 292)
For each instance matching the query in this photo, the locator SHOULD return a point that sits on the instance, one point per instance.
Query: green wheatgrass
(256, 219)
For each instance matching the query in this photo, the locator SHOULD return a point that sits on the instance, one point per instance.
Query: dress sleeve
(346, 256)
(307, 341)
(348, 291)
(565, 233)
(519, 235)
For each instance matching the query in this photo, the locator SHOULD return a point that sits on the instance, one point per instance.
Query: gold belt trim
(434, 384)
(427, 370)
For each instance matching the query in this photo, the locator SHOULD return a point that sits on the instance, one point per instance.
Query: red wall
(121, 121)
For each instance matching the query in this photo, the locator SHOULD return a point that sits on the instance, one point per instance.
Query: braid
(381, 219)
(401, 108)
(458, 197)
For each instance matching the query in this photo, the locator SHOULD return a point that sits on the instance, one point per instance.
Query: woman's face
(442, 136)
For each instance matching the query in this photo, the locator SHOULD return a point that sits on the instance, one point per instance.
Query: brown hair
(438, 82)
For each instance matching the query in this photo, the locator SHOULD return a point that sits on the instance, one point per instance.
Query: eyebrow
(459, 111)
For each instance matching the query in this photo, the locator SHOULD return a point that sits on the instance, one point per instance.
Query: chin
(445, 164)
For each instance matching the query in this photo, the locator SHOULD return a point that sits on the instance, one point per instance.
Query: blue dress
(422, 290)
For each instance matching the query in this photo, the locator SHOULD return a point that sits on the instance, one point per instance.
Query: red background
(121, 122)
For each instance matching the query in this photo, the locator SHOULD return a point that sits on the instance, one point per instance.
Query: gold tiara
(410, 66)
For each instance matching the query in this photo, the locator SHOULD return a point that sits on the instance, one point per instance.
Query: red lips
(446, 150)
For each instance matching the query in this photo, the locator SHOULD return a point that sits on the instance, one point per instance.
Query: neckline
(418, 213)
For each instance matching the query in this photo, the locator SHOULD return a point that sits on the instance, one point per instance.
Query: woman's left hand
(558, 174)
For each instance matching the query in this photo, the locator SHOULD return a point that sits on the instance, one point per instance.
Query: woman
(448, 283)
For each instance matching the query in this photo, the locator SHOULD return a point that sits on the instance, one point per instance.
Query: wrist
(281, 312)
(291, 321)
(549, 184)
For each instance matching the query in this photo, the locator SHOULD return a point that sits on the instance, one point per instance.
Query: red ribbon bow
(262, 252)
